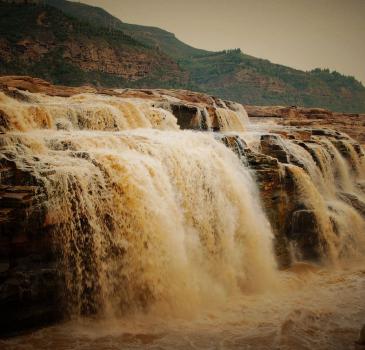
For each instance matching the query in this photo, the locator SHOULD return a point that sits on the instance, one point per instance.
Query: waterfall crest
(85, 112)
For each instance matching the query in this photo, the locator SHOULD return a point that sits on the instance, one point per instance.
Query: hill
(151, 36)
(72, 43)
(45, 42)
(240, 77)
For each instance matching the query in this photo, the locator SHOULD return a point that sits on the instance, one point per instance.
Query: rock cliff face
(88, 55)
(30, 287)
(310, 178)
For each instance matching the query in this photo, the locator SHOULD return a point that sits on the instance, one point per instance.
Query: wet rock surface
(30, 284)
(304, 231)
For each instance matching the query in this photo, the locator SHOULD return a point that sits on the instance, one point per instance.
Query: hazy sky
(302, 34)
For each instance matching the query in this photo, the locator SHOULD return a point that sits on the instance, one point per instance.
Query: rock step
(19, 196)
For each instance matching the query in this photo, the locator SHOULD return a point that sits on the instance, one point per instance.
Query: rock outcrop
(351, 124)
(30, 285)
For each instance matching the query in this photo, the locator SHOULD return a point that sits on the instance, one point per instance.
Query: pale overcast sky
(303, 34)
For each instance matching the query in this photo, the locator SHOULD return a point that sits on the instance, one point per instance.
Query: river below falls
(313, 309)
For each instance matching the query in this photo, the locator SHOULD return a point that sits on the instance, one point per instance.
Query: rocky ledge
(351, 124)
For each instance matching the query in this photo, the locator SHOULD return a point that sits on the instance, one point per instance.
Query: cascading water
(84, 112)
(144, 217)
(329, 177)
(153, 223)
(230, 120)
(340, 169)
(313, 200)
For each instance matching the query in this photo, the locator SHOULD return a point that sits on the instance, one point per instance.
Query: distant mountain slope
(45, 42)
(72, 43)
(151, 36)
(234, 75)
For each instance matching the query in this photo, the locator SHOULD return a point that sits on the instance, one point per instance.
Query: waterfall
(146, 216)
(165, 220)
(327, 186)
(229, 120)
(301, 157)
(341, 169)
(313, 200)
